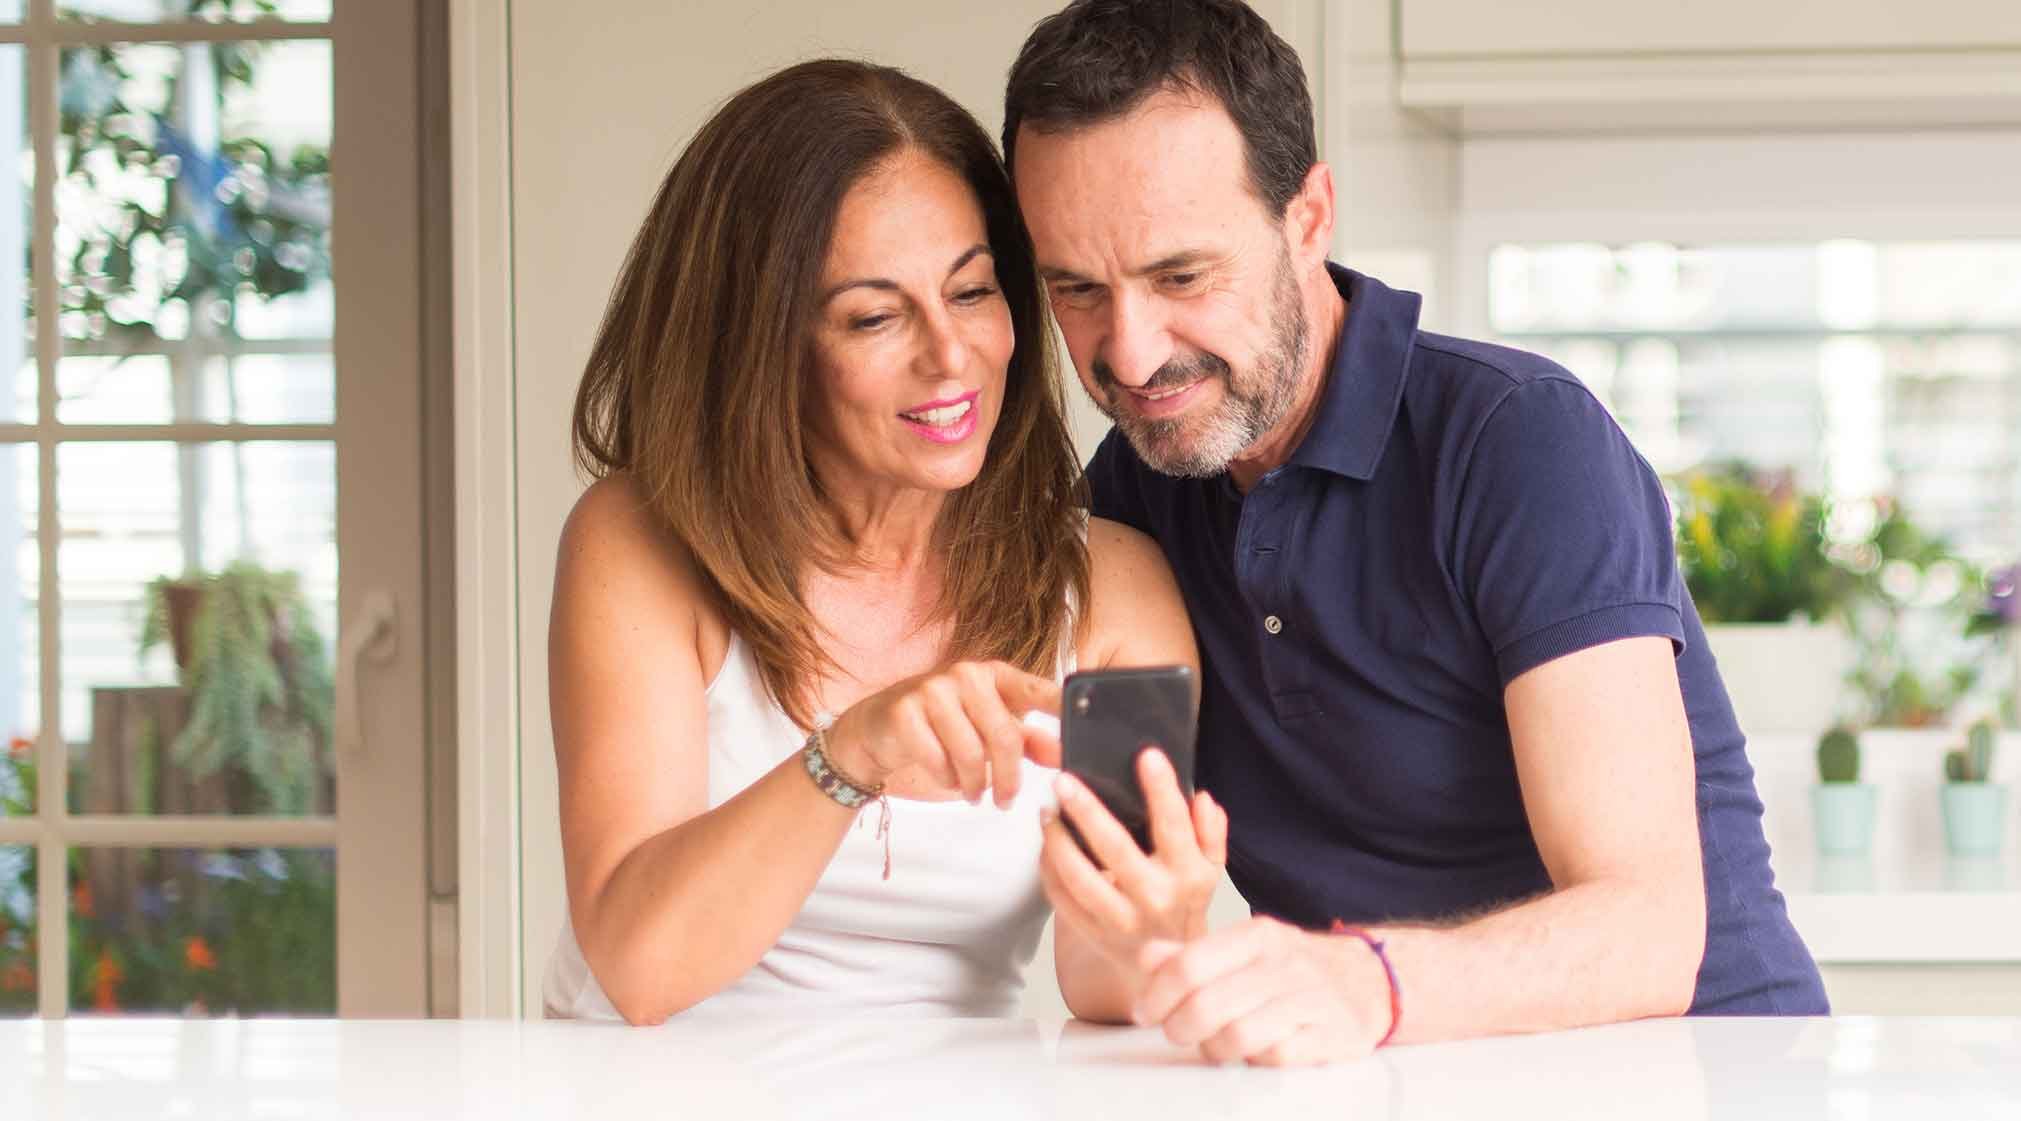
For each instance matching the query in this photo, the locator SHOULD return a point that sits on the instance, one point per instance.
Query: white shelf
(1932, 911)
(1752, 89)
(1909, 902)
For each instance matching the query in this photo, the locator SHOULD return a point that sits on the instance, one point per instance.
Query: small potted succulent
(1975, 808)
(1842, 807)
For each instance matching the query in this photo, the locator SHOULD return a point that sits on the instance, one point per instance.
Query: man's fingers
(1209, 1009)
(1308, 1046)
(1210, 823)
(1172, 834)
(1156, 953)
(1204, 960)
(1271, 1024)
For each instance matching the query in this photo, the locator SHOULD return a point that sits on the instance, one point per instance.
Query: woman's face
(911, 335)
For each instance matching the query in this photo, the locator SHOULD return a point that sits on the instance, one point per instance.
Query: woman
(833, 478)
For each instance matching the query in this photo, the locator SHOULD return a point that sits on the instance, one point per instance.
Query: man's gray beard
(1246, 412)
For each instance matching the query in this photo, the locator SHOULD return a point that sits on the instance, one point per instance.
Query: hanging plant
(248, 650)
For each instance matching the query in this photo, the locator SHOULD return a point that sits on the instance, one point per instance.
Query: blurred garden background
(185, 412)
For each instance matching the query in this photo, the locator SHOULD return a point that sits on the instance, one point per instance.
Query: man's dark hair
(1096, 60)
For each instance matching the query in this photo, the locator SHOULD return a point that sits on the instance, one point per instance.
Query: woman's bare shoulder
(1135, 614)
(1116, 551)
(613, 543)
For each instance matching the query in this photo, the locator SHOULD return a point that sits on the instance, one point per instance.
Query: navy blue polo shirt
(1457, 514)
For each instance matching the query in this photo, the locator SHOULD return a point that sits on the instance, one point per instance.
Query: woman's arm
(1135, 618)
(669, 902)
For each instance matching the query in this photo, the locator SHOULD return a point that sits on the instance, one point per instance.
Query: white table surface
(1844, 1070)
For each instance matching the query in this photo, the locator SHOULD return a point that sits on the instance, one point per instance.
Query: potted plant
(1975, 808)
(1753, 551)
(1842, 806)
(248, 650)
(1998, 620)
(1919, 657)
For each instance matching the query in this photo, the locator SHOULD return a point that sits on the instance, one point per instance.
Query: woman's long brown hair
(698, 384)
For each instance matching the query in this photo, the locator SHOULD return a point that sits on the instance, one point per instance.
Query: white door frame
(487, 597)
(382, 954)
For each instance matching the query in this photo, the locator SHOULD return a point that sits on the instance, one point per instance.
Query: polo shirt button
(1272, 624)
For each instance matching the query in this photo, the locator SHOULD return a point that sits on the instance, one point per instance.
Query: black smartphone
(1108, 717)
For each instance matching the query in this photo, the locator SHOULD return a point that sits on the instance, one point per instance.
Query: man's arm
(1603, 753)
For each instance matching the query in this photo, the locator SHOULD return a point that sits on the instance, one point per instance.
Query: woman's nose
(944, 349)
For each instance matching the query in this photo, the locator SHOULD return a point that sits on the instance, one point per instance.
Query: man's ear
(1308, 219)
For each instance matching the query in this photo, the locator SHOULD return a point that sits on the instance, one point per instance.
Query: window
(166, 320)
(1867, 368)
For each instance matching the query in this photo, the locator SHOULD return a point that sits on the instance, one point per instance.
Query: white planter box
(1783, 677)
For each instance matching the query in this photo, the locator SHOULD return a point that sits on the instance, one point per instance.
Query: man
(1455, 693)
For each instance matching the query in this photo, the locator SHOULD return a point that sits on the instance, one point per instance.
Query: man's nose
(1137, 346)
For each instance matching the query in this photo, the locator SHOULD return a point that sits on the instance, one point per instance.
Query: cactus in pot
(1842, 807)
(1975, 807)
(1974, 761)
(1838, 756)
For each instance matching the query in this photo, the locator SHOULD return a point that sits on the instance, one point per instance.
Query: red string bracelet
(1382, 955)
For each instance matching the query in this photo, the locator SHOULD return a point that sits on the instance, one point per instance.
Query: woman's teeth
(943, 416)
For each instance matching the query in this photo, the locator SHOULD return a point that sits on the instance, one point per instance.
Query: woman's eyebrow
(884, 285)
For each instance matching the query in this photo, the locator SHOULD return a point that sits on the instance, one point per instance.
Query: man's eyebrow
(1175, 261)
(979, 249)
(1171, 262)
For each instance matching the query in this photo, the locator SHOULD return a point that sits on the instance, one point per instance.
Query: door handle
(368, 636)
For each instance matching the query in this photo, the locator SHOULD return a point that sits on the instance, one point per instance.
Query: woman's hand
(962, 725)
(1135, 897)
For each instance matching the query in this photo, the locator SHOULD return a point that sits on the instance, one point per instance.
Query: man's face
(1173, 285)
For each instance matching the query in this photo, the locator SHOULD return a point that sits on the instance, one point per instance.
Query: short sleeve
(1115, 483)
(1562, 534)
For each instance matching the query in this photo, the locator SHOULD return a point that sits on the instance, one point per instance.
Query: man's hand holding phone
(1126, 897)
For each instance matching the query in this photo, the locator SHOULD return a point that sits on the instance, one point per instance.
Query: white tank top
(950, 933)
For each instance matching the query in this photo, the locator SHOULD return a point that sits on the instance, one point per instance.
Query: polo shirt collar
(1364, 384)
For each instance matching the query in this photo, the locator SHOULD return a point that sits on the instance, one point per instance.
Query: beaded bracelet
(1382, 955)
(845, 791)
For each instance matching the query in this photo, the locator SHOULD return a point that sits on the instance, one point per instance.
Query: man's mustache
(1172, 375)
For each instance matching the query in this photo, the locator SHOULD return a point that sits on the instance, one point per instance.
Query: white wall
(600, 107)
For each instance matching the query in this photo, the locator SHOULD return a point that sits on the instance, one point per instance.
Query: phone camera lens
(1081, 705)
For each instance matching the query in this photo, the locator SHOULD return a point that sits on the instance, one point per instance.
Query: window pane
(20, 645)
(192, 224)
(17, 927)
(258, 519)
(17, 224)
(147, 388)
(231, 931)
(10, 11)
(210, 11)
(1869, 369)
